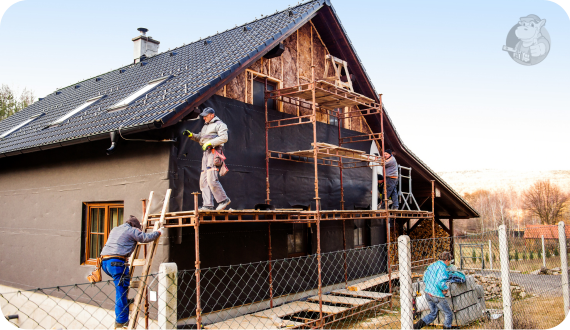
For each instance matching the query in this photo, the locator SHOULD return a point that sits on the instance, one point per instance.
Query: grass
(524, 265)
(531, 313)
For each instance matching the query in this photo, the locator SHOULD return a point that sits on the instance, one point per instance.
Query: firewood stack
(422, 243)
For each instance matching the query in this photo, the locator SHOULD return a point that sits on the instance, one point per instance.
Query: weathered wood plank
(363, 294)
(373, 282)
(340, 300)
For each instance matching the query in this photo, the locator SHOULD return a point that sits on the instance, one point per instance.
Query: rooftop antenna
(143, 31)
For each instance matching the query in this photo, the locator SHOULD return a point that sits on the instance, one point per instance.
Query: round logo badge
(528, 42)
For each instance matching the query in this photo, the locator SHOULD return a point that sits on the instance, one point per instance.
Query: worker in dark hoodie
(120, 245)
(391, 179)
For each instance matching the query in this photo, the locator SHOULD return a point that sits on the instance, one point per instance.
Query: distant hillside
(470, 181)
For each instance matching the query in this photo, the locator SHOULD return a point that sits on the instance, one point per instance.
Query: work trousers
(117, 269)
(435, 304)
(209, 181)
(392, 192)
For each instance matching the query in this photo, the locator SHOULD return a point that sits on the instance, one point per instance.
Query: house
(61, 193)
(533, 235)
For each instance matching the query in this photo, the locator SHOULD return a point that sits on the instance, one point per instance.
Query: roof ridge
(191, 43)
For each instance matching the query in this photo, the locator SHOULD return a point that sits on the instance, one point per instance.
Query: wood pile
(422, 244)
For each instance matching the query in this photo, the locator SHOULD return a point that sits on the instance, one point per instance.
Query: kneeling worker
(115, 254)
(435, 278)
(213, 135)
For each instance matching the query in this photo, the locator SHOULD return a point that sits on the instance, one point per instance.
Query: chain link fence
(377, 287)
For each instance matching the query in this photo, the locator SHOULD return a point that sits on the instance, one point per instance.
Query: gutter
(96, 137)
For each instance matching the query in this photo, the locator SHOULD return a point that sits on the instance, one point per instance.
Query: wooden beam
(415, 225)
(443, 226)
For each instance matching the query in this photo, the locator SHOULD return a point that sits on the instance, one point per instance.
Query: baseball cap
(207, 111)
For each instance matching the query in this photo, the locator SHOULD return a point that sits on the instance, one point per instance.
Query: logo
(528, 42)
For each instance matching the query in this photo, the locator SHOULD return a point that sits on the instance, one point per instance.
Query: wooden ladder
(146, 263)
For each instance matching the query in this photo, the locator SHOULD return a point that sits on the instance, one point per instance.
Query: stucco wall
(41, 205)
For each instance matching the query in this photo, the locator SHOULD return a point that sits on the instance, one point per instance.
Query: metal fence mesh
(356, 291)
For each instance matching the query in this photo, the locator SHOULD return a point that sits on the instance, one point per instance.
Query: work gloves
(207, 145)
(187, 133)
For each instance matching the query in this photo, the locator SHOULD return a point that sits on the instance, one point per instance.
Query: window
(134, 96)
(259, 89)
(358, 237)
(101, 219)
(296, 241)
(20, 125)
(76, 110)
(334, 120)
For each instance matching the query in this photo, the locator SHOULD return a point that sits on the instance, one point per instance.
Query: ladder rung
(138, 262)
(143, 243)
(135, 284)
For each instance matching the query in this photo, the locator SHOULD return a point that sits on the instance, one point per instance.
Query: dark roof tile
(195, 68)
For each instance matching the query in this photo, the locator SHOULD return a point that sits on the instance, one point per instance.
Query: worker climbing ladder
(146, 263)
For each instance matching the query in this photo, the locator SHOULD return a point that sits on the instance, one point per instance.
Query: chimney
(144, 46)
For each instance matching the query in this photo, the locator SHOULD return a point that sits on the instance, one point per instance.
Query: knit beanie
(134, 222)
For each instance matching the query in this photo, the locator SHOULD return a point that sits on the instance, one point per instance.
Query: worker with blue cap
(212, 137)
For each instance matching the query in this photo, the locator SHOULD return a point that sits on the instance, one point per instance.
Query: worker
(436, 277)
(120, 244)
(391, 179)
(212, 137)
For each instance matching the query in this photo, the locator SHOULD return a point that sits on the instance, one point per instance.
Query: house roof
(193, 69)
(196, 71)
(549, 231)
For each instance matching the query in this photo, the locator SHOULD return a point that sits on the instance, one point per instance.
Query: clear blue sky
(458, 101)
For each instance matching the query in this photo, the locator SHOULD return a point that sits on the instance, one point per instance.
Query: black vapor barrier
(291, 183)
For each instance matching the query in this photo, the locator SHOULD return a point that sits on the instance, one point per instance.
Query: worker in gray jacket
(115, 254)
(213, 135)
(391, 179)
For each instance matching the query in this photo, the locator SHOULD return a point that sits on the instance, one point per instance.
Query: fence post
(543, 254)
(564, 266)
(405, 259)
(505, 278)
(490, 255)
(167, 295)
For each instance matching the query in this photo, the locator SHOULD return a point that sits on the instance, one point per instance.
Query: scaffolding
(320, 98)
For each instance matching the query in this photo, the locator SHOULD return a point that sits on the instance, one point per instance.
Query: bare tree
(546, 201)
(11, 102)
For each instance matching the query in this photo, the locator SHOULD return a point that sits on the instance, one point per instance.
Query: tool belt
(220, 161)
(96, 274)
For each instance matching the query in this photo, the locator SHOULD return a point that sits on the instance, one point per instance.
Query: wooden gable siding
(303, 48)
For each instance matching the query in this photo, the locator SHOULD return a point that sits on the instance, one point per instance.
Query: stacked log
(422, 243)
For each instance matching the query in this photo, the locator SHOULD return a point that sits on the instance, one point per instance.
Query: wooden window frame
(106, 230)
(256, 75)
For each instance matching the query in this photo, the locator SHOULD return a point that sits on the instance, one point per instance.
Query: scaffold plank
(363, 294)
(374, 282)
(340, 300)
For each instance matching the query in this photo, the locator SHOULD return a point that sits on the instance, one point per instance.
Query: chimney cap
(142, 30)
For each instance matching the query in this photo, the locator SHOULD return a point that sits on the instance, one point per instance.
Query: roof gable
(195, 69)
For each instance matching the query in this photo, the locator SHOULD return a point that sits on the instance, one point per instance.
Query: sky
(457, 100)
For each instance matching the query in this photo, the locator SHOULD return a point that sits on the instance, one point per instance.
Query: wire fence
(387, 286)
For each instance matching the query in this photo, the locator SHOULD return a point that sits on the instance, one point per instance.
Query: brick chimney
(144, 46)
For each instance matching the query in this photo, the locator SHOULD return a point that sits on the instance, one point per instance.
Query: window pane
(93, 220)
(97, 218)
(101, 220)
(116, 217)
(290, 243)
(356, 237)
(96, 245)
(299, 241)
(258, 97)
